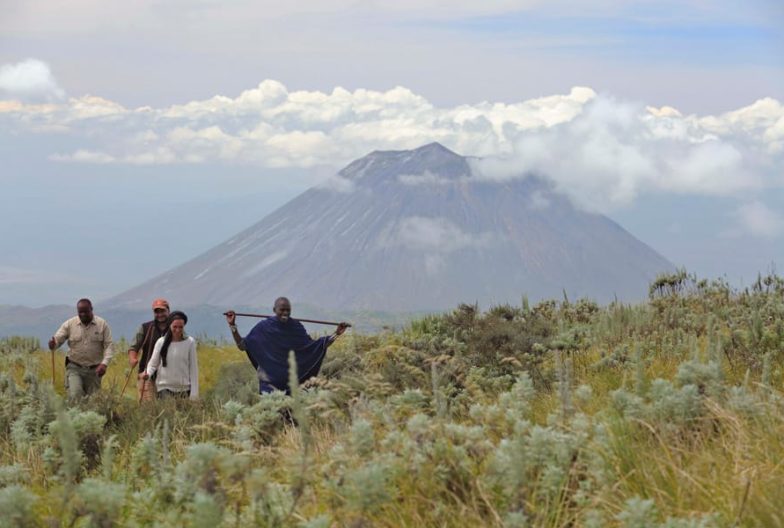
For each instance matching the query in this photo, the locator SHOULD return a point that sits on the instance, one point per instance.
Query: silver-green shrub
(100, 501)
(16, 507)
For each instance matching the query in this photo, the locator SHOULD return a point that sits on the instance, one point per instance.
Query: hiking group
(164, 356)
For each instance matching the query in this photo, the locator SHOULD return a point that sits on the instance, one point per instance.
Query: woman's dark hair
(168, 337)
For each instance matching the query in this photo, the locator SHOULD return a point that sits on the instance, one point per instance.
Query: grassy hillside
(668, 413)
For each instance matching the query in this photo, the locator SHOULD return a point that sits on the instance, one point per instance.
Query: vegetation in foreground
(665, 414)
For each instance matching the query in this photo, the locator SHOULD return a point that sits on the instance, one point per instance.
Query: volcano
(414, 230)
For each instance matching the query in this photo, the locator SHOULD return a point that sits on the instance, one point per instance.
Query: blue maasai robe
(268, 346)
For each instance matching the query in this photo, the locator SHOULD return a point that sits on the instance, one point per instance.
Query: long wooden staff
(53, 378)
(301, 320)
(127, 379)
(130, 370)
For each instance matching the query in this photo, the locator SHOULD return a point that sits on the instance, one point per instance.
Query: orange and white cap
(160, 303)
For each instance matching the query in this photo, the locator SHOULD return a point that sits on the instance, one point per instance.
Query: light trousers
(80, 381)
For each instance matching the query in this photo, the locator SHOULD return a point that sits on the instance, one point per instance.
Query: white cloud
(83, 156)
(757, 219)
(10, 275)
(435, 238)
(613, 151)
(434, 235)
(270, 126)
(337, 183)
(28, 80)
(425, 178)
(602, 152)
(538, 201)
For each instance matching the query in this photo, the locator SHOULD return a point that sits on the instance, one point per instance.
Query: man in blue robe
(269, 342)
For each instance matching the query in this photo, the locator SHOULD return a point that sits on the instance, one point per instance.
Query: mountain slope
(414, 230)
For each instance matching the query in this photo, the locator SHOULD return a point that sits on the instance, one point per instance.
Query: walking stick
(53, 377)
(130, 371)
(144, 387)
(301, 320)
(127, 379)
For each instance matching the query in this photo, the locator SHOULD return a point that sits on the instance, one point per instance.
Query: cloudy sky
(134, 135)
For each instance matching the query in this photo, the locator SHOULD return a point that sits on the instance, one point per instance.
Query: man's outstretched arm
(231, 318)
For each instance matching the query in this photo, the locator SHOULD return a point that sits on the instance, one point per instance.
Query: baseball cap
(160, 303)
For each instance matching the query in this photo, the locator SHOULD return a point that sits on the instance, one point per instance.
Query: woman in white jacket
(174, 359)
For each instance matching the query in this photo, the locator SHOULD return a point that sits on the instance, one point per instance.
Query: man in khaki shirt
(90, 343)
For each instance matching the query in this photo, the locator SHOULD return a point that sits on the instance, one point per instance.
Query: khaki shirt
(89, 345)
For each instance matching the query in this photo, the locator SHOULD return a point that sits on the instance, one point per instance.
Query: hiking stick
(53, 378)
(141, 394)
(127, 379)
(301, 320)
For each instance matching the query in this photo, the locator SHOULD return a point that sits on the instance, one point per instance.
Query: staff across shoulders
(269, 342)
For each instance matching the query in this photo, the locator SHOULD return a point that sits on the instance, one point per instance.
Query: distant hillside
(202, 320)
(34, 322)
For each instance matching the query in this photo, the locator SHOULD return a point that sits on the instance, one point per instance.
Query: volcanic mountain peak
(431, 152)
(410, 230)
(392, 166)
